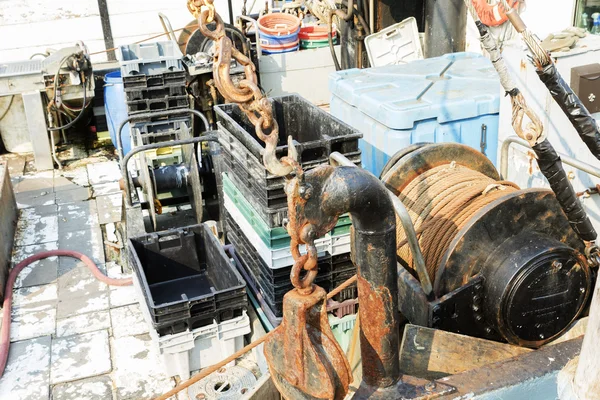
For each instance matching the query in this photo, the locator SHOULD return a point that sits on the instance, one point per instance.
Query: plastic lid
(448, 88)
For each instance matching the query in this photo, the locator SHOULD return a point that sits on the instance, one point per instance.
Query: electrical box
(585, 82)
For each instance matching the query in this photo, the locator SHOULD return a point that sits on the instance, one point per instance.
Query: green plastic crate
(274, 238)
(342, 329)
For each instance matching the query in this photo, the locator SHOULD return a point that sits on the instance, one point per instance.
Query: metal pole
(580, 165)
(445, 27)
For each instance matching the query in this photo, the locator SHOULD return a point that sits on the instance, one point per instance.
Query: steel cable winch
(504, 262)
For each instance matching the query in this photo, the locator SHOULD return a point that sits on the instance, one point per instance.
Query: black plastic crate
(186, 278)
(160, 130)
(154, 92)
(176, 78)
(273, 292)
(316, 135)
(164, 104)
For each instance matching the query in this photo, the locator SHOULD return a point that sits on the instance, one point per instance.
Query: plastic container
(273, 238)
(316, 135)
(342, 329)
(396, 44)
(339, 309)
(160, 80)
(160, 131)
(186, 279)
(453, 98)
(282, 257)
(278, 40)
(271, 285)
(199, 348)
(316, 44)
(316, 32)
(288, 48)
(278, 24)
(116, 109)
(150, 58)
(155, 92)
(163, 104)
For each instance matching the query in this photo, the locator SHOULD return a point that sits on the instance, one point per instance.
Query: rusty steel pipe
(333, 192)
(409, 229)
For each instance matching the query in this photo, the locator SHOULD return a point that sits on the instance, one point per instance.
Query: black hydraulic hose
(551, 166)
(568, 101)
(78, 117)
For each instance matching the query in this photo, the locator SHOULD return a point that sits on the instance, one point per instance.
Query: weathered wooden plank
(432, 354)
(263, 390)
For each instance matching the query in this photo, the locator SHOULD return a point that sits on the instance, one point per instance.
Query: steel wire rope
(440, 202)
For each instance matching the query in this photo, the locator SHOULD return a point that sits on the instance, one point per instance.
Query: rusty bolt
(222, 370)
(556, 264)
(200, 396)
(571, 175)
(429, 386)
(529, 136)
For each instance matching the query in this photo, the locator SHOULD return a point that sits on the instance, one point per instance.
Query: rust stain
(375, 308)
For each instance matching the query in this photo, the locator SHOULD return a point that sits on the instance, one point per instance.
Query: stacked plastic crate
(255, 203)
(191, 295)
(154, 80)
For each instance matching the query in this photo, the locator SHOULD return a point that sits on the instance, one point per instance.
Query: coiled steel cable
(440, 202)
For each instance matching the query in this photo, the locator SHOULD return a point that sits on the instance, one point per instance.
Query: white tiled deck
(72, 336)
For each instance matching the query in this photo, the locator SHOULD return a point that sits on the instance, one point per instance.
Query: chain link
(259, 110)
(246, 93)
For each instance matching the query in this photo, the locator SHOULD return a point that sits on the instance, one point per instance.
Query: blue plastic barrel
(116, 109)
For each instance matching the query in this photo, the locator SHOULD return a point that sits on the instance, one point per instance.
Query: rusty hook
(272, 164)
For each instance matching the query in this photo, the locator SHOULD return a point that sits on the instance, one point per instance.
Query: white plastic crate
(149, 58)
(281, 258)
(396, 44)
(193, 350)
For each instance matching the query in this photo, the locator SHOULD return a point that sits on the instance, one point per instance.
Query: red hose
(12, 277)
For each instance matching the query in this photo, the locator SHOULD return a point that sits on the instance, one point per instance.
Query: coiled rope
(440, 202)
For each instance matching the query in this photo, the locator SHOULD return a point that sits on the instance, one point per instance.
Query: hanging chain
(259, 110)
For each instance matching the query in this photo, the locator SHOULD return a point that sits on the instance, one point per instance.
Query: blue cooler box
(453, 98)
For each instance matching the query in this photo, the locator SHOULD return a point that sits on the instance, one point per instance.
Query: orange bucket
(278, 24)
